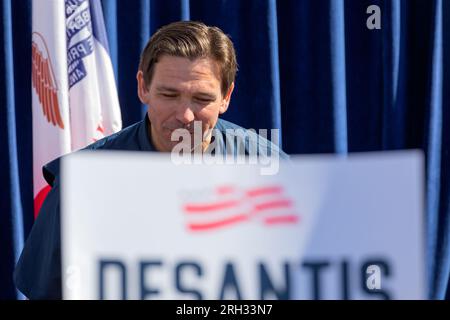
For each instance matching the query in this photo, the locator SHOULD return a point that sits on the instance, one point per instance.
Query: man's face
(181, 92)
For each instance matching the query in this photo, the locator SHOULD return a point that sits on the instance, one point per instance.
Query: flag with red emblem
(74, 95)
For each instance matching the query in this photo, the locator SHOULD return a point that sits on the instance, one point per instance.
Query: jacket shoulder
(254, 141)
(125, 139)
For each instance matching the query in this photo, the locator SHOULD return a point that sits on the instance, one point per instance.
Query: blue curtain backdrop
(309, 67)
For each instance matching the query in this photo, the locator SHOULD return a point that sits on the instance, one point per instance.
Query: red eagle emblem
(44, 82)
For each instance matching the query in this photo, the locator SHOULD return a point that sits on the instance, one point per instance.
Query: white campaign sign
(137, 226)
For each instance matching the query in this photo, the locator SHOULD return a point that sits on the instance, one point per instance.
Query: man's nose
(185, 114)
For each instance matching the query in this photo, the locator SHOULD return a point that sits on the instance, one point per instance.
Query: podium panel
(138, 226)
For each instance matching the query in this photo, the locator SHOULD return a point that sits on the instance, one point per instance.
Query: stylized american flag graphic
(226, 206)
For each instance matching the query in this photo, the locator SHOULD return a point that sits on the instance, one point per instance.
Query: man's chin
(172, 144)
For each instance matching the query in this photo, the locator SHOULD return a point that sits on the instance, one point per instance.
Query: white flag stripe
(112, 120)
(49, 37)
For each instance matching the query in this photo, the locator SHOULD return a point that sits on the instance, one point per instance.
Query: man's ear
(226, 99)
(143, 91)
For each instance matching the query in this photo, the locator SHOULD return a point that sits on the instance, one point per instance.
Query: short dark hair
(191, 39)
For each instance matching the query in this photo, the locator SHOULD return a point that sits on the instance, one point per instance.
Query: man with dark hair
(186, 75)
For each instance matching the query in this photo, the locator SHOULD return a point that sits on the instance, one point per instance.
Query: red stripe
(49, 76)
(41, 89)
(45, 90)
(56, 106)
(39, 200)
(282, 219)
(225, 190)
(199, 208)
(49, 102)
(38, 77)
(263, 191)
(218, 224)
(273, 204)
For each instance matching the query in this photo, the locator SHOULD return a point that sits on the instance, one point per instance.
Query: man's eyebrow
(206, 95)
(174, 90)
(164, 88)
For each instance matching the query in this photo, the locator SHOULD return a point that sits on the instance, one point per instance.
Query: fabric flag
(74, 94)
